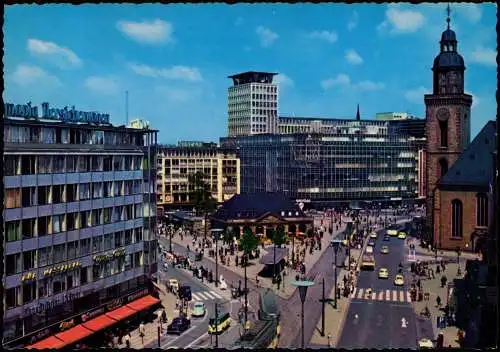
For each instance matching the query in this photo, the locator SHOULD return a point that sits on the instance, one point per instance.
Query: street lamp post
(171, 233)
(336, 246)
(303, 285)
(293, 247)
(459, 272)
(215, 234)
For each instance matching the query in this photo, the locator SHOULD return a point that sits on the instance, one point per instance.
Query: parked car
(179, 325)
(199, 309)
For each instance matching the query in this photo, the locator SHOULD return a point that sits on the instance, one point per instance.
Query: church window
(443, 129)
(456, 218)
(443, 167)
(481, 209)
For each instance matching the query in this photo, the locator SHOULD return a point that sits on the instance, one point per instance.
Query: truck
(368, 261)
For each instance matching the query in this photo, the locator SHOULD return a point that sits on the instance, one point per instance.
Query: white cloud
(343, 80)
(27, 75)
(283, 81)
(401, 21)
(353, 21)
(183, 73)
(475, 100)
(353, 57)
(484, 56)
(472, 12)
(267, 36)
(176, 95)
(329, 36)
(416, 95)
(147, 32)
(104, 85)
(61, 56)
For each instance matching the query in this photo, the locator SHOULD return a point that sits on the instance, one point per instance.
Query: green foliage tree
(227, 235)
(201, 196)
(280, 237)
(248, 243)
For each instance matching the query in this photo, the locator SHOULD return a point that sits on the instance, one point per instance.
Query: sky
(174, 59)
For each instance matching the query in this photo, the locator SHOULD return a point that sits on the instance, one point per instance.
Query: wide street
(375, 321)
(197, 335)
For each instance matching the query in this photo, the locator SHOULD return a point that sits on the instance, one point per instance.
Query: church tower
(447, 116)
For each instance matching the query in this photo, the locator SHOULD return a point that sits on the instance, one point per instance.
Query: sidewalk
(151, 335)
(445, 254)
(433, 287)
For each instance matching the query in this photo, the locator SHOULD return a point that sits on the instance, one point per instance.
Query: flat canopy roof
(268, 259)
(252, 77)
(251, 73)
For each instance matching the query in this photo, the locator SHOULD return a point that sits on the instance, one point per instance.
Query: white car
(223, 285)
(369, 249)
(373, 235)
(198, 309)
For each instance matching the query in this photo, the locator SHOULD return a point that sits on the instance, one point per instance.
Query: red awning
(49, 342)
(143, 303)
(74, 334)
(99, 323)
(121, 313)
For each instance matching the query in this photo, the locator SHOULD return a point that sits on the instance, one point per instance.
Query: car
(384, 250)
(387, 238)
(178, 325)
(402, 235)
(373, 235)
(198, 309)
(173, 284)
(369, 249)
(425, 343)
(399, 280)
(371, 243)
(383, 273)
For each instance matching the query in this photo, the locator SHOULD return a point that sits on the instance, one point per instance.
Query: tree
(248, 243)
(279, 238)
(227, 235)
(201, 196)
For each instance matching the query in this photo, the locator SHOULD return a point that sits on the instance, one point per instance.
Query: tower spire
(357, 114)
(448, 11)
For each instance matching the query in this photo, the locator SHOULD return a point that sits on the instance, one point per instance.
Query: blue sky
(174, 60)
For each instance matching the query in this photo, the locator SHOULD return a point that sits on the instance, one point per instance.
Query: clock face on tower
(443, 114)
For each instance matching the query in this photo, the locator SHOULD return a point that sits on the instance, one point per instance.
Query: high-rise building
(252, 104)
(220, 167)
(80, 221)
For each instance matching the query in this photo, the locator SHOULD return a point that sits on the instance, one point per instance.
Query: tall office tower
(252, 104)
(80, 225)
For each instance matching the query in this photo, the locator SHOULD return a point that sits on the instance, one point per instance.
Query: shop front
(84, 326)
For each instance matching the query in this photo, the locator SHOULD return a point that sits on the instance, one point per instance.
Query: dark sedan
(387, 238)
(178, 325)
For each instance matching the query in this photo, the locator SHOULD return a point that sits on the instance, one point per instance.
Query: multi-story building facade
(252, 104)
(357, 160)
(79, 217)
(220, 166)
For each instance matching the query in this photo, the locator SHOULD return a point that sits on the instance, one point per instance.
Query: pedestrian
(438, 301)
(142, 331)
(127, 339)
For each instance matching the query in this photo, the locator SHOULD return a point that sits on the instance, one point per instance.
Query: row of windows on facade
(17, 230)
(52, 255)
(67, 193)
(51, 164)
(21, 295)
(352, 189)
(60, 135)
(188, 160)
(237, 104)
(226, 169)
(457, 216)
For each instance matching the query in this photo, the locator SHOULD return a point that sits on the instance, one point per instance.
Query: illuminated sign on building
(65, 114)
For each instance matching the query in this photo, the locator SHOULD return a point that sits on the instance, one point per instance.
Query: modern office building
(252, 104)
(80, 220)
(220, 166)
(356, 160)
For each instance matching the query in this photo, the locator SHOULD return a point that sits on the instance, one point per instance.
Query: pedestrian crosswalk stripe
(208, 295)
(201, 295)
(381, 295)
(215, 294)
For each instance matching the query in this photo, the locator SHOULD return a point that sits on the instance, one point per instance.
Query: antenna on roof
(448, 10)
(126, 107)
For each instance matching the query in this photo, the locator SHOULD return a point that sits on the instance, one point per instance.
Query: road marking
(388, 295)
(381, 295)
(208, 295)
(353, 294)
(202, 295)
(401, 296)
(360, 293)
(408, 296)
(374, 296)
(198, 339)
(216, 294)
(394, 295)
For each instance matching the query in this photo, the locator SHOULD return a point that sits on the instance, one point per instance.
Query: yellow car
(383, 273)
(384, 250)
(399, 280)
(425, 344)
(402, 235)
(392, 232)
